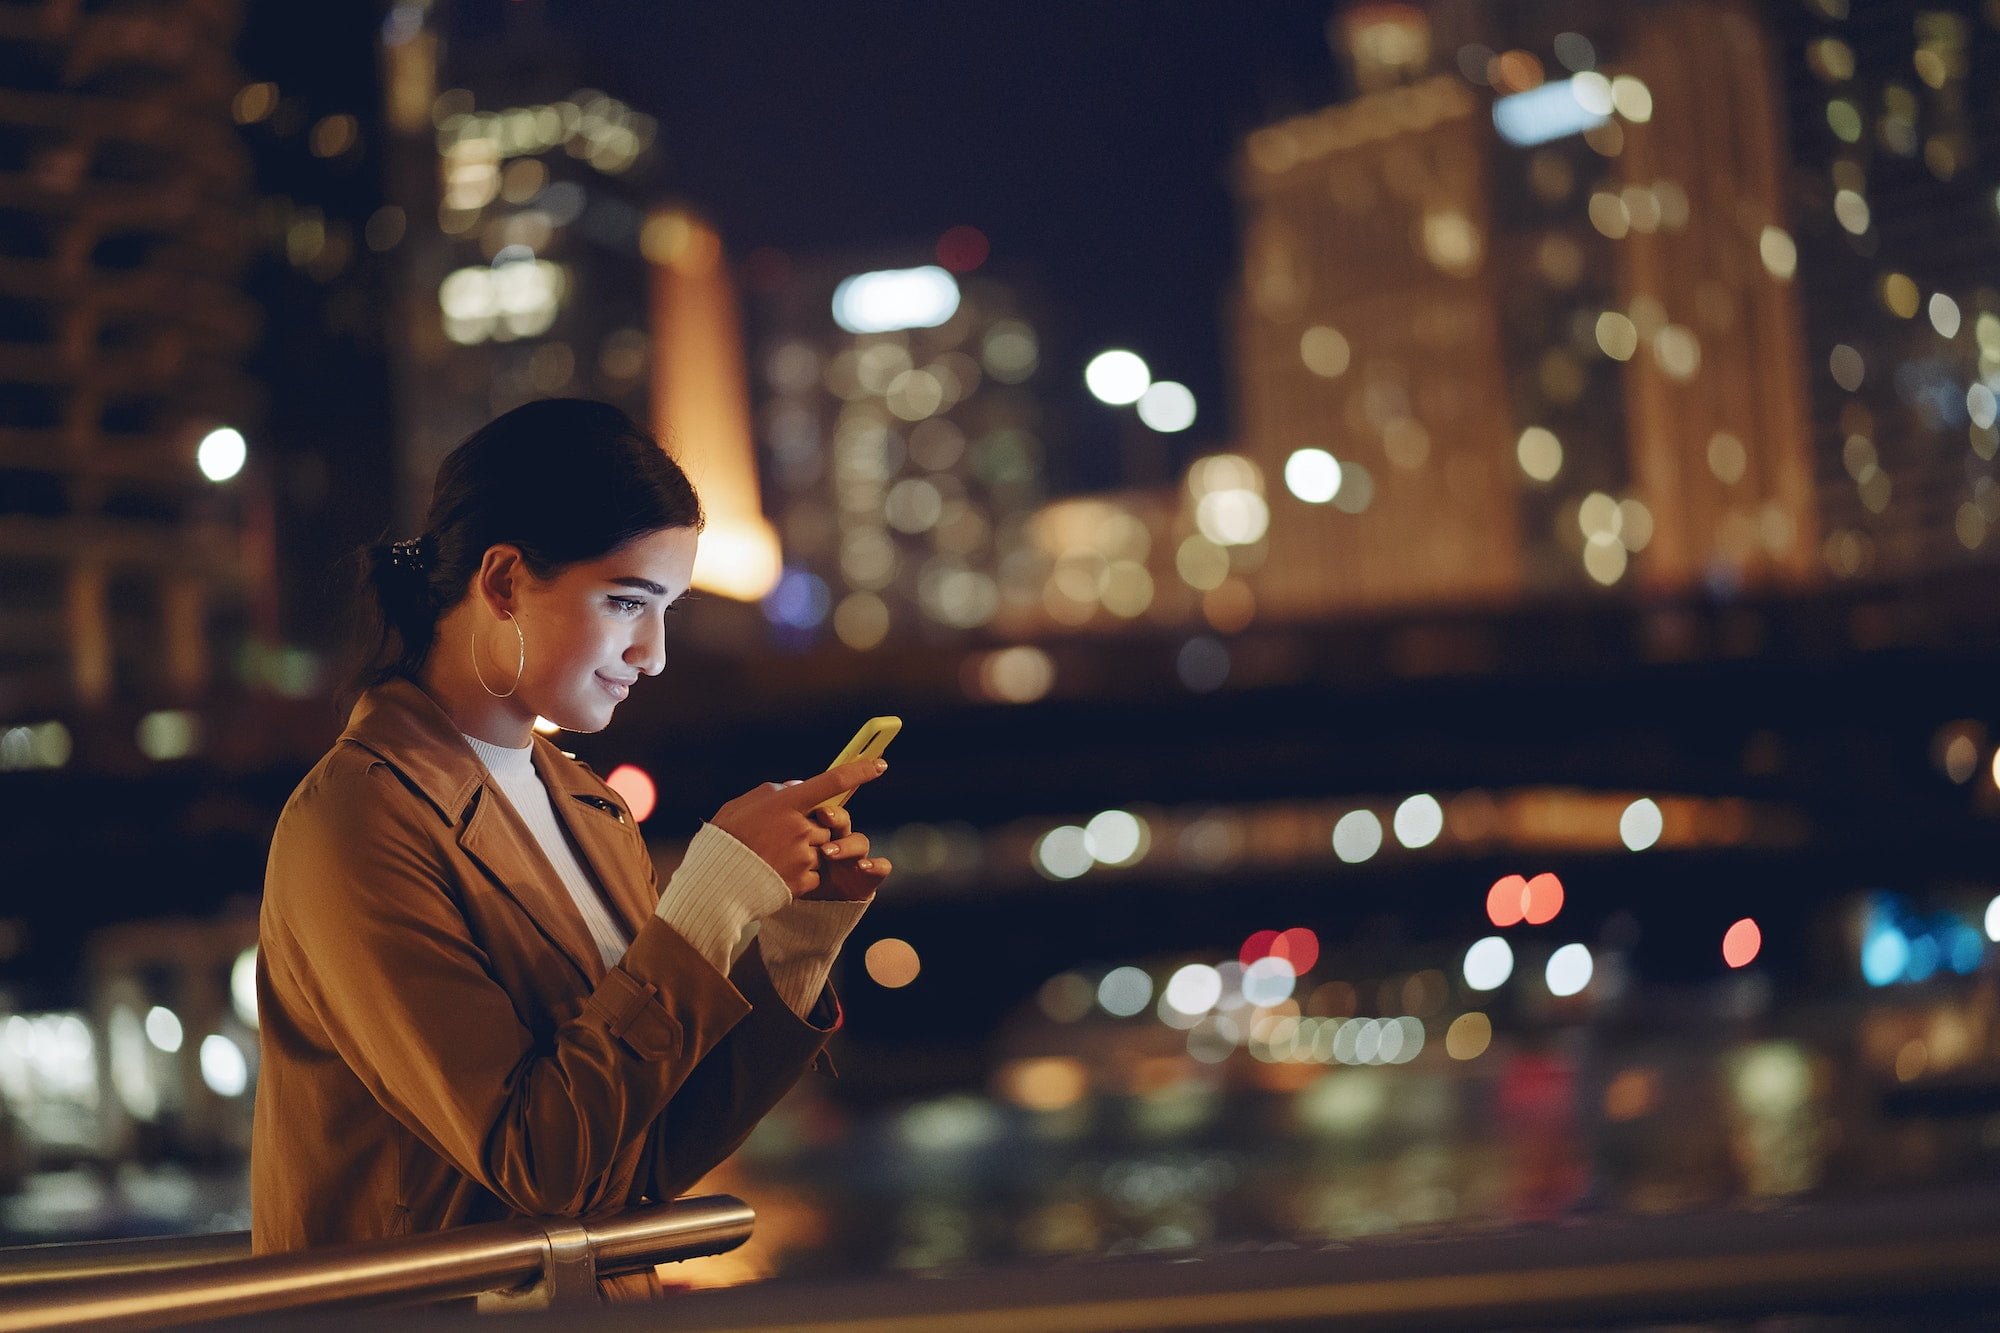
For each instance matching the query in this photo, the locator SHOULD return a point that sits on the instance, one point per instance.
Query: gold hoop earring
(519, 667)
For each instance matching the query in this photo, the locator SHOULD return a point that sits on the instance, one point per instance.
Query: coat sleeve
(736, 1085)
(372, 943)
(739, 1081)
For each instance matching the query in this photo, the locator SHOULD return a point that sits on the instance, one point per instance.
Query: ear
(498, 582)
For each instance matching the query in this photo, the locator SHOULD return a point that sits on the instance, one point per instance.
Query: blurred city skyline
(1383, 473)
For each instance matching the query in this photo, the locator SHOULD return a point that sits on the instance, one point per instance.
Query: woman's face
(596, 627)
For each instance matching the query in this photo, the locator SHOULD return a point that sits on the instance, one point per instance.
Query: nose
(648, 653)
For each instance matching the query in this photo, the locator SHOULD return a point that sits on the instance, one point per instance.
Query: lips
(618, 688)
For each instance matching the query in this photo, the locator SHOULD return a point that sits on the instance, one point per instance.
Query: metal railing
(549, 1261)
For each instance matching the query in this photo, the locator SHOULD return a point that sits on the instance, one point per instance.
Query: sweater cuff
(720, 889)
(799, 944)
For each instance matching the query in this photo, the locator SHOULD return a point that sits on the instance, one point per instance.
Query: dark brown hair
(564, 479)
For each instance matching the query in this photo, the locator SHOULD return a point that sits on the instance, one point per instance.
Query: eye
(628, 605)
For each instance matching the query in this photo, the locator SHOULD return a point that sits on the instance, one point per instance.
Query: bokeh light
(1569, 970)
(1043, 1083)
(1741, 942)
(1116, 837)
(243, 986)
(1539, 453)
(892, 963)
(1313, 475)
(1506, 901)
(1297, 946)
(1488, 963)
(163, 1029)
(1357, 836)
(221, 454)
(1194, 989)
(1468, 1036)
(1542, 900)
(1259, 945)
(1268, 981)
(1124, 991)
(1167, 407)
(1117, 377)
(1641, 824)
(223, 1067)
(1419, 820)
(895, 299)
(1066, 997)
(962, 249)
(1064, 853)
(636, 786)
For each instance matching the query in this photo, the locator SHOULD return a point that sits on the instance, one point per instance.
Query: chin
(584, 721)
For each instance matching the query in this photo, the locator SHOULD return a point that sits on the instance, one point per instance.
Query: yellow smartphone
(868, 743)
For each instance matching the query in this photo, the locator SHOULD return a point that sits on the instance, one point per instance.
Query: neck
(448, 678)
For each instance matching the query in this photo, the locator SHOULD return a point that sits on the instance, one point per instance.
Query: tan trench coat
(441, 1043)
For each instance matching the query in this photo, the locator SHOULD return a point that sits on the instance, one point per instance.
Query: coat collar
(402, 725)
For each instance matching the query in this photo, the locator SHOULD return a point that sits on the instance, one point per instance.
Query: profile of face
(591, 630)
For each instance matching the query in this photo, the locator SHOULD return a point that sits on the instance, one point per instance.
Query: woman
(475, 1000)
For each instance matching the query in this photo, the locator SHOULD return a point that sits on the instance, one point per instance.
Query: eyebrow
(647, 584)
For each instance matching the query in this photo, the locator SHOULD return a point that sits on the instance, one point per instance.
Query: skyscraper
(518, 202)
(899, 426)
(1527, 326)
(1895, 132)
(122, 334)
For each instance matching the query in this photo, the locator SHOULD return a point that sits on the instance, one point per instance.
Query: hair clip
(408, 555)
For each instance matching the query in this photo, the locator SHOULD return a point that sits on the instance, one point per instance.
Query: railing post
(569, 1275)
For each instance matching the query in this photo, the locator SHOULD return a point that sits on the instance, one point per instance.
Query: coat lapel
(496, 838)
(602, 830)
(401, 724)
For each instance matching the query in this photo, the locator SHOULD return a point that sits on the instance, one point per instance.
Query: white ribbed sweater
(721, 897)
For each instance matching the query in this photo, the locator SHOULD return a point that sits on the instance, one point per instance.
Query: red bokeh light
(1506, 901)
(1542, 899)
(962, 249)
(1258, 946)
(636, 786)
(1299, 947)
(1741, 943)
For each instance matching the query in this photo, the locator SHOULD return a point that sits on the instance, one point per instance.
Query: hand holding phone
(868, 743)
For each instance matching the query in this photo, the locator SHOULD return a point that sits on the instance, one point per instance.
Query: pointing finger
(835, 781)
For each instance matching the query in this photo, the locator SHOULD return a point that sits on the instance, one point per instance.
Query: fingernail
(881, 765)
(866, 865)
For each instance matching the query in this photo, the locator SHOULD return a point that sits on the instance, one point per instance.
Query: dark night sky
(1092, 142)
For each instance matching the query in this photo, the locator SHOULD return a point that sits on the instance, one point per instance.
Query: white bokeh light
(1124, 991)
(1419, 820)
(1269, 981)
(1569, 970)
(1357, 836)
(1232, 517)
(894, 299)
(1488, 963)
(1194, 989)
(221, 454)
(1064, 853)
(163, 1028)
(1167, 407)
(223, 1067)
(1313, 475)
(1115, 837)
(1117, 377)
(1641, 824)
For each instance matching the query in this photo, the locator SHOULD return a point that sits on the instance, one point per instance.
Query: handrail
(563, 1258)
(29, 1265)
